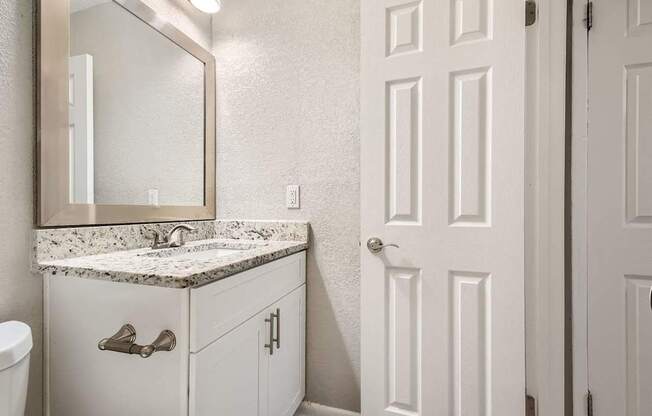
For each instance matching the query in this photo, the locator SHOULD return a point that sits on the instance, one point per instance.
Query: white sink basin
(203, 251)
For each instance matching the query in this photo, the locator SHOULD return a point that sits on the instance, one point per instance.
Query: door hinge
(589, 403)
(588, 15)
(530, 12)
(530, 405)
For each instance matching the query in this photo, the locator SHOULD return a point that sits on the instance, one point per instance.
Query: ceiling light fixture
(207, 6)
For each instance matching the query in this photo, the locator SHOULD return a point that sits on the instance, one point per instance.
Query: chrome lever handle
(376, 245)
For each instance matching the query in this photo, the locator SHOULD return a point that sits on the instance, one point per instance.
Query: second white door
(619, 208)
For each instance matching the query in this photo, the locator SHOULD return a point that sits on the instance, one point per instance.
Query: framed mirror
(126, 117)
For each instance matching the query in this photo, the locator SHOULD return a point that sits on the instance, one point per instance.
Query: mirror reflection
(136, 102)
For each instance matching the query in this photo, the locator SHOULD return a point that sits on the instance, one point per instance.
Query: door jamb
(545, 212)
(579, 142)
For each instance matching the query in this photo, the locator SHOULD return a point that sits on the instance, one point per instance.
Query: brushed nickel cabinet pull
(124, 341)
(278, 328)
(270, 320)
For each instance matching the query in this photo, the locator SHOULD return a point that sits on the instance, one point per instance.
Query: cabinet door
(229, 377)
(287, 363)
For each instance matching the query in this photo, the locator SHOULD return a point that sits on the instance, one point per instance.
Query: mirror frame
(53, 50)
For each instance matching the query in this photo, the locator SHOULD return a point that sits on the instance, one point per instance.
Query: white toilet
(15, 345)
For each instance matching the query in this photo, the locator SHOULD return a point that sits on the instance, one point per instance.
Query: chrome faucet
(170, 239)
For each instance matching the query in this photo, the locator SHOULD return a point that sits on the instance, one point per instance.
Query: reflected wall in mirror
(135, 139)
(136, 113)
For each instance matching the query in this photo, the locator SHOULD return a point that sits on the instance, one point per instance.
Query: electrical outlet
(152, 197)
(292, 197)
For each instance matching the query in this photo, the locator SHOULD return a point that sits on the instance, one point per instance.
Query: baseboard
(314, 409)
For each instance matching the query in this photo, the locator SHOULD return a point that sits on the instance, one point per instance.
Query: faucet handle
(154, 235)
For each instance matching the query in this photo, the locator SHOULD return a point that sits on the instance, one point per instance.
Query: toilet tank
(15, 346)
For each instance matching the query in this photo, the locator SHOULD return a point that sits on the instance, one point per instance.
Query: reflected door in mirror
(80, 101)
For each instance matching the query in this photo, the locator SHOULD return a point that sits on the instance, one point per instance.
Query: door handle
(376, 245)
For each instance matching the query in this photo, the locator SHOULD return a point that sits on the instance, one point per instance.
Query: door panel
(403, 347)
(619, 207)
(287, 364)
(469, 198)
(639, 17)
(442, 152)
(229, 377)
(639, 343)
(470, 340)
(403, 110)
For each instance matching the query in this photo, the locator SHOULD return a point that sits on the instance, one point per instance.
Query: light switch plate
(292, 200)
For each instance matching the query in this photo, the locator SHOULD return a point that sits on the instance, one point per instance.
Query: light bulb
(207, 6)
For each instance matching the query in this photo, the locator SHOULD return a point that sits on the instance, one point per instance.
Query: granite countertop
(116, 253)
(174, 268)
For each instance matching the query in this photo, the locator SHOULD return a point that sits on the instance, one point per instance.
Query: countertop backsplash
(62, 243)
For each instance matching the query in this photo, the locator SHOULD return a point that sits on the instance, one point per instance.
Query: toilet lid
(15, 343)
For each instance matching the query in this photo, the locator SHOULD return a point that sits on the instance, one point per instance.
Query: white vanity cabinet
(240, 345)
(257, 369)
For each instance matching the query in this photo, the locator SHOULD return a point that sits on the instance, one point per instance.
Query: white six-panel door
(80, 104)
(619, 208)
(443, 177)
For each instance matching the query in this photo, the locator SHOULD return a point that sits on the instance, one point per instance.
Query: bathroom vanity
(126, 151)
(235, 307)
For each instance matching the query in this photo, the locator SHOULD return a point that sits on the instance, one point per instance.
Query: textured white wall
(288, 87)
(20, 291)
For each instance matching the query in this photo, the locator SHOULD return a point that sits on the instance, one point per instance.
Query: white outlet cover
(292, 197)
(152, 197)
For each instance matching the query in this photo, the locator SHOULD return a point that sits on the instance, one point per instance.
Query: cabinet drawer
(219, 307)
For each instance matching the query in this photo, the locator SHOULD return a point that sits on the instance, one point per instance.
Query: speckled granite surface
(120, 253)
(262, 230)
(61, 243)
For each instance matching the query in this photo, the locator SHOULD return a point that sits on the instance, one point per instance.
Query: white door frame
(545, 234)
(579, 211)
